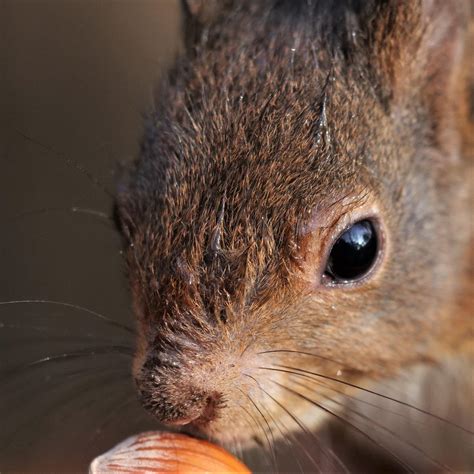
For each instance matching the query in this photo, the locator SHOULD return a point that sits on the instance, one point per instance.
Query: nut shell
(166, 453)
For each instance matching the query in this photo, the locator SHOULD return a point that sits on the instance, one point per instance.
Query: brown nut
(166, 453)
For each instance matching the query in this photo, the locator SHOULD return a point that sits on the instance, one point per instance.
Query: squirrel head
(297, 202)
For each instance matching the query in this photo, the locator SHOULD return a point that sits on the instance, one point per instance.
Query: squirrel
(298, 225)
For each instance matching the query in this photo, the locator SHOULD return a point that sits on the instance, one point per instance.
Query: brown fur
(282, 123)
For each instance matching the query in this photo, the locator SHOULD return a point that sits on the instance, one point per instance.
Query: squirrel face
(289, 211)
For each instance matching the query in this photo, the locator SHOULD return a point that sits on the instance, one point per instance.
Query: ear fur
(419, 48)
(442, 57)
(444, 52)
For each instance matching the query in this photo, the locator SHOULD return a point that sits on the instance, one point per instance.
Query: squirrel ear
(419, 48)
(444, 59)
(415, 38)
(197, 14)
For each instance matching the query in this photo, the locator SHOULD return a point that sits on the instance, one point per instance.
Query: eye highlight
(353, 254)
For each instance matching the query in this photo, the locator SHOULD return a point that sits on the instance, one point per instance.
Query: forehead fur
(262, 119)
(273, 109)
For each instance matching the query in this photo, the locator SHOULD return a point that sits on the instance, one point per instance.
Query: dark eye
(353, 254)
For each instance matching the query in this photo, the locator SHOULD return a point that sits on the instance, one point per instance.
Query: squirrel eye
(353, 254)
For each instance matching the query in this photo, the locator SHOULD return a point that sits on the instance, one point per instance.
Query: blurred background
(76, 78)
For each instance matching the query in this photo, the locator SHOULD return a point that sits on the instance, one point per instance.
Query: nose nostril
(211, 407)
(195, 409)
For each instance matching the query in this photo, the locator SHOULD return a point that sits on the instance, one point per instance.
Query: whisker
(386, 430)
(290, 440)
(43, 329)
(49, 338)
(326, 451)
(72, 396)
(90, 352)
(276, 351)
(251, 417)
(70, 162)
(271, 444)
(290, 370)
(235, 446)
(348, 423)
(71, 210)
(73, 306)
(328, 359)
(110, 416)
(288, 434)
(360, 400)
(239, 450)
(259, 425)
(258, 428)
(59, 378)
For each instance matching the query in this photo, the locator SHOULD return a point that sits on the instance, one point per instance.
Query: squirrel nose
(180, 405)
(199, 411)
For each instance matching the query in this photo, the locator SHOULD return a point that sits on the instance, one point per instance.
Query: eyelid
(324, 225)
